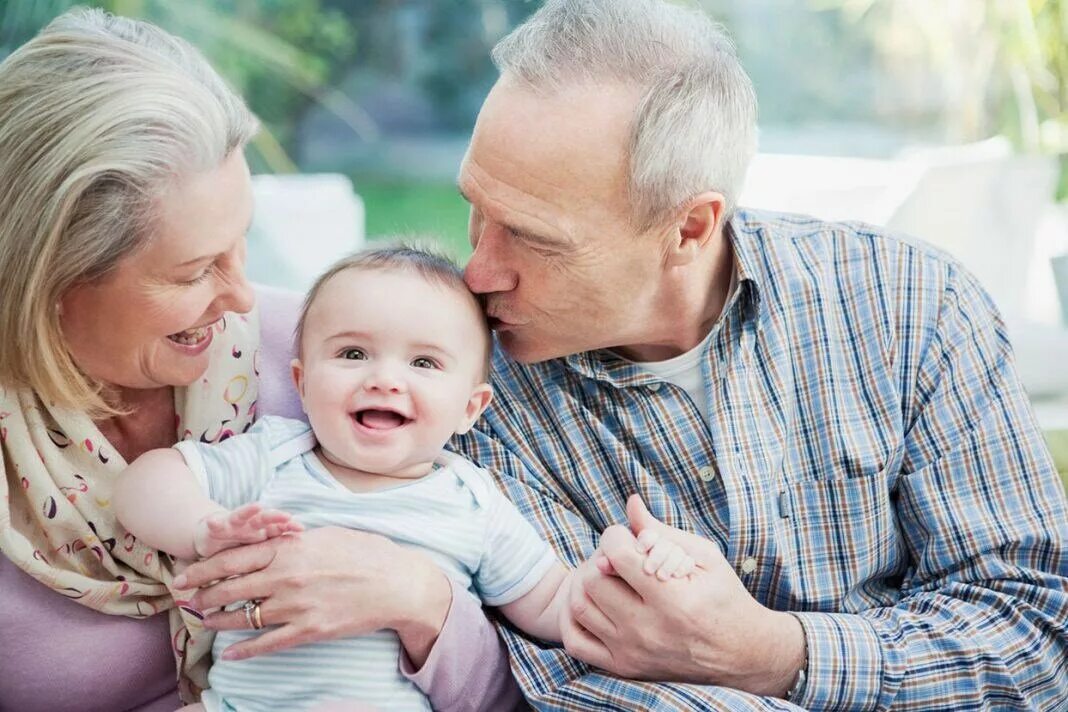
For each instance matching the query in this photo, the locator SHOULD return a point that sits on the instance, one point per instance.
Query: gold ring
(252, 614)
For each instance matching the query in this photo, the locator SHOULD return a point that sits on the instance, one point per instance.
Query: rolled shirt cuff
(845, 662)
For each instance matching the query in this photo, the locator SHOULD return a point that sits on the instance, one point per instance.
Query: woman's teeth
(191, 337)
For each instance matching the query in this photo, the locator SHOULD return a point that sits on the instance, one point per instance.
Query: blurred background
(947, 120)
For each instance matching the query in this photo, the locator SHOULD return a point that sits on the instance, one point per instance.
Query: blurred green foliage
(1058, 447)
(1003, 66)
(281, 55)
(423, 210)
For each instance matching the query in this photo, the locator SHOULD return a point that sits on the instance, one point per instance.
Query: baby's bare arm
(538, 612)
(158, 500)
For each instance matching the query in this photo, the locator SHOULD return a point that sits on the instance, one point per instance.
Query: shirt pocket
(846, 552)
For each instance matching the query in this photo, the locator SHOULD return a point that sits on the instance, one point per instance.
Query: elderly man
(828, 417)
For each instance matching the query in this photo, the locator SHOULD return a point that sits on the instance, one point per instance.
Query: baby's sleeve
(234, 471)
(514, 558)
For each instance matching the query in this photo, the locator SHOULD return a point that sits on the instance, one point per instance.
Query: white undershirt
(684, 370)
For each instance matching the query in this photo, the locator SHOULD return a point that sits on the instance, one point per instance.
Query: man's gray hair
(695, 126)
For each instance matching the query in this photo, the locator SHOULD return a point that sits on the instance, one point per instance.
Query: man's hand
(320, 585)
(245, 525)
(704, 628)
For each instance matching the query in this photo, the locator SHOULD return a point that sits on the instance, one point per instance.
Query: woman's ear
(476, 405)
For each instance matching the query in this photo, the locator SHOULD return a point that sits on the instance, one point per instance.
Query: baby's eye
(424, 362)
(353, 355)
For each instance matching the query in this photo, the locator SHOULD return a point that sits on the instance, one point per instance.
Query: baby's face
(391, 368)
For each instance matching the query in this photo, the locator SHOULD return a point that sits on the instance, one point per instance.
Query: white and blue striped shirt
(455, 515)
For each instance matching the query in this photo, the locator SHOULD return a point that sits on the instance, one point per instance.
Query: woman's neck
(147, 421)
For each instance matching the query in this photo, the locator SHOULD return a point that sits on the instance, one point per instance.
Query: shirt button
(707, 474)
(654, 387)
(749, 565)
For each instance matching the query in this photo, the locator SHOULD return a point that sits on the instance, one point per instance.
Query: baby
(393, 360)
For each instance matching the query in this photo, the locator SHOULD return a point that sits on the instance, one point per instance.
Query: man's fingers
(633, 586)
(586, 612)
(231, 562)
(704, 551)
(583, 645)
(639, 517)
(603, 564)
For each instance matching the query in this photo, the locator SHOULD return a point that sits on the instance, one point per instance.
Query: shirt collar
(745, 233)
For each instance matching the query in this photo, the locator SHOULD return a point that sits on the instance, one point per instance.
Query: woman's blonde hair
(99, 116)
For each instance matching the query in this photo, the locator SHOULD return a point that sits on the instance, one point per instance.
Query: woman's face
(148, 323)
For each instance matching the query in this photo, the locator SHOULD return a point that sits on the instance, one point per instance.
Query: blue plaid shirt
(869, 448)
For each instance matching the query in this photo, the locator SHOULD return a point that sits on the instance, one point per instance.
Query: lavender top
(57, 655)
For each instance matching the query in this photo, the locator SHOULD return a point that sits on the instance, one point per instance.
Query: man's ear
(296, 370)
(698, 223)
(476, 404)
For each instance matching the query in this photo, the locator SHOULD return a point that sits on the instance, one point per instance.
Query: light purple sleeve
(467, 669)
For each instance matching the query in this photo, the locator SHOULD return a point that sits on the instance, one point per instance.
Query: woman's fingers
(267, 642)
(231, 562)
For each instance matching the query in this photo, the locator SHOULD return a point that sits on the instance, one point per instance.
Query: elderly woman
(127, 324)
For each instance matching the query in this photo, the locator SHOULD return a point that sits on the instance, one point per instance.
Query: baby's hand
(664, 558)
(245, 525)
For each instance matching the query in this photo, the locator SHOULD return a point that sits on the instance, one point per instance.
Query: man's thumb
(638, 515)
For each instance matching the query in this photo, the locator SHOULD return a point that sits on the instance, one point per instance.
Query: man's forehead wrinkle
(484, 182)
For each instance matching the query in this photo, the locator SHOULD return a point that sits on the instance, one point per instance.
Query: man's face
(556, 254)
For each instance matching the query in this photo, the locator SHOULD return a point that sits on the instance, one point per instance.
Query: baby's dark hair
(397, 257)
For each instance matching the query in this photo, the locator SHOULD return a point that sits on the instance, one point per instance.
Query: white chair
(301, 224)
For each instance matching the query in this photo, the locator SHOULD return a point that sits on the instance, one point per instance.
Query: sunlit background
(945, 119)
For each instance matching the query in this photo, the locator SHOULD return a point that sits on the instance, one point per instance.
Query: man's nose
(487, 271)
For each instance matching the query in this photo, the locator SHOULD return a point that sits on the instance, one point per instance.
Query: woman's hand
(323, 584)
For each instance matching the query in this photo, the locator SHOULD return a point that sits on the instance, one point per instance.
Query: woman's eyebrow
(204, 258)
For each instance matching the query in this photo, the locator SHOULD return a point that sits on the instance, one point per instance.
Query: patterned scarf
(56, 522)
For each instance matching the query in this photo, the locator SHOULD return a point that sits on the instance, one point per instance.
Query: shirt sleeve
(514, 557)
(467, 669)
(983, 618)
(234, 471)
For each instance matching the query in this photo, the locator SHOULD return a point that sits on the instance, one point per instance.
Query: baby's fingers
(671, 562)
(657, 556)
(647, 539)
(685, 567)
(268, 518)
(291, 527)
(244, 513)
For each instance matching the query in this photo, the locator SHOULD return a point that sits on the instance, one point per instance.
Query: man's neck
(689, 308)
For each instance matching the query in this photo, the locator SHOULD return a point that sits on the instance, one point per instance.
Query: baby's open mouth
(191, 337)
(380, 419)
